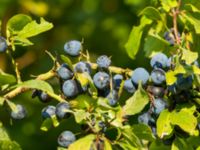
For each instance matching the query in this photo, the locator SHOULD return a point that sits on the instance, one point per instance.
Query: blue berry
(20, 112)
(156, 91)
(170, 36)
(48, 111)
(103, 61)
(66, 138)
(70, 88)
(159, 105)
(140, 74)
(73, 48)
(128, 86)
(3, 44)
(64, 72)
(61, 110)
(82, 67)
(158, 76)
(144, 118)
(117, 80)
(159, 60)
(101, 80)
(184, 83)
(43, 97)
(112, 98)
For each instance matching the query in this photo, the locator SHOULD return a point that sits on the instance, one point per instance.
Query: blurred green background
(103, 24)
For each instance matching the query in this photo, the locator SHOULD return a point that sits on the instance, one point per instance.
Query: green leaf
(151, 13)
(170, 77)
(133, 44)
(194, 141)
(193, 21)
(2, 100)
(67, 61)
(80, 115)
(143, 131)
(154, 43)
(83, 143)
(18, 22)
(9, 145)
(37, 84)
(6, 78)
(33, 28)
(180, 144)
(168, 4)
(189, 56)
(3, 134)
(137, 102)
(158, 145)
(192, 8)
(107, 144)
(185, 121)
(163, 124)
(82, 78)
(130, 137)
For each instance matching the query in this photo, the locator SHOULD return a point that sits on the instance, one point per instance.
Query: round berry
(159, 105)
(184, 83)
(61, 110)
(101, 80)
(64, 72)
(19, 113)
(159, 60)
(158, 76)
(103, 61)
(140, 74)
(128, 86)
(43, 97)
(82, 67)
(112, 98)
(170, 36)
(70, 88)
(48, 111)
(3, 44)
(73, 47)
(117, 80)
(156, 91)
(66, 138)
(144, 118)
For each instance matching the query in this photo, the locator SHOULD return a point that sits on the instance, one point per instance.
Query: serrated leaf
(133, 44)
(67, 61)
(163, 124)
(151, 13)
(170, 77)
(189, 56)
(83, 143)
(6, 78)
(186, 121)
(37, 84)
(143, 131)
(137, 102)
(168, 4)
(33, 28)
(18, 22)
